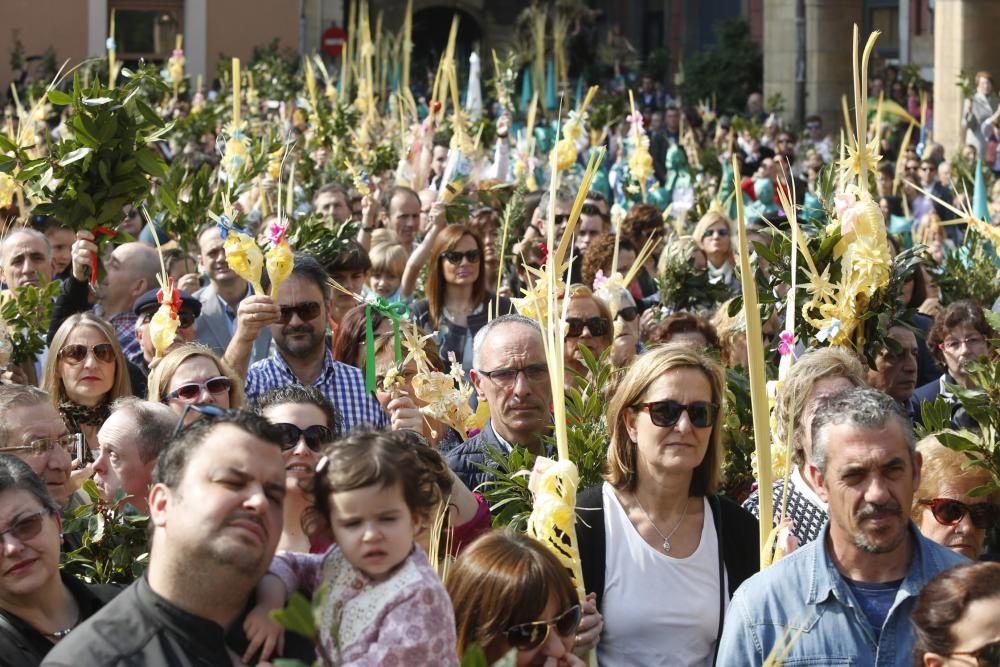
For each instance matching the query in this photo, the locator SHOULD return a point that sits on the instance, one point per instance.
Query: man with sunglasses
(848, 595)
(145, 307)
(303, 356)
(511, 375)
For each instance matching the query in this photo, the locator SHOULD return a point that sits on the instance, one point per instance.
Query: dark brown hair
(944, 600)
(446, 240)
(642, 222)
(504, 579)
(351, 334)
(384, 458)
(954, 315)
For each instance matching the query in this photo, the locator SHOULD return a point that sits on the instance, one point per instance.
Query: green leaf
(7, 163)
(73, 156)
(297, 616)
(151, 163)
(59, 98)
(6, 144)
(984, 490)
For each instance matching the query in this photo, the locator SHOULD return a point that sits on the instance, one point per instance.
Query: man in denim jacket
(845, 598)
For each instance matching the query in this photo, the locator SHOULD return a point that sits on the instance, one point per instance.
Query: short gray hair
(512, 318)
(15, 396)
(26, 231)
(154, 424)
(862, 407)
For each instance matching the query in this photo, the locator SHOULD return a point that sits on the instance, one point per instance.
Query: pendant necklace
(666, 538)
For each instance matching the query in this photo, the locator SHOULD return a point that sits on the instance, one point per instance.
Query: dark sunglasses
(26, 528)
(949, 512)
(307, 312)
(189, 392)
(76, 354)
(628, 314)
(315, 436)
(528, 636)
(186, 318)
(986, 656)
(717, 232)
(561, 219)
(455, 257)
(667, 413)
(597, 326)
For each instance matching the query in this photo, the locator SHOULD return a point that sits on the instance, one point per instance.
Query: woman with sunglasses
(656, 543)
(458, 302)
(713, 234)
(626, 341)
(307, 421)
(193, 373)
(956, 621)
(38, 605)
(588, 322)
(511, 593)
(85, 373)
(942, 507)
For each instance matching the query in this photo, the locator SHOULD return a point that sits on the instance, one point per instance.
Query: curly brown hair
(642, 222)
(683, 322)
(599, 256)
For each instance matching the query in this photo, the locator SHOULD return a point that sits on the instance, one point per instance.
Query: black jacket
(736, 528)
(21, 645)
(140, 628)
(464, 458)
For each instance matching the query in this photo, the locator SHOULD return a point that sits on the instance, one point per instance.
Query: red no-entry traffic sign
(332, 41)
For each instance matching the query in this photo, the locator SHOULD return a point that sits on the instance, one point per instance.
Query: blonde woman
(588, 321)
(661, 551)
(193, 375)
(84, 373)
(714, 235)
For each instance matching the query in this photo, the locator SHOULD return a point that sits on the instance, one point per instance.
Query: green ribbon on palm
(395, 312)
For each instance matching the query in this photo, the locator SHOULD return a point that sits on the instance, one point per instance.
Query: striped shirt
(343, 385)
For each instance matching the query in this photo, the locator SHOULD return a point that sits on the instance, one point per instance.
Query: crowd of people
(268, 466)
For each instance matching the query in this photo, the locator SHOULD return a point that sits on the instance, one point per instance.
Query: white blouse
(658, 610)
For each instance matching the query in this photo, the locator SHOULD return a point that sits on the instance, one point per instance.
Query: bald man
(130, 271)
(25, 258)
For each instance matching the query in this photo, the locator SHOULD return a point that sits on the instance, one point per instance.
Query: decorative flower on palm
(8, 186)
(278, 259)
(244, 257)
(164, 323)
(175, 68)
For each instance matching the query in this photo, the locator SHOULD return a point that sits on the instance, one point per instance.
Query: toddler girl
(388, 264)
(384, 604)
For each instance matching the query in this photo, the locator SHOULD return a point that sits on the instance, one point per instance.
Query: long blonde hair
(52, 381)
(160, 377)
(620, 469)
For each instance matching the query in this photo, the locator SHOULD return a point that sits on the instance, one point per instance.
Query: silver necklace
(666, 538)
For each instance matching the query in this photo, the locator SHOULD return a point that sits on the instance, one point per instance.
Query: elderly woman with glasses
(85, 373)
(956, 621)
(38, 604)
(660, 549)
(194, 375)
(511, 594)
(943, 508)
(713, 234)
(307, 421)
(458, 302)
(960, 334)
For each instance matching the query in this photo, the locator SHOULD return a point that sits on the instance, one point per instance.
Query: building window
(885, 20)
(147, 28)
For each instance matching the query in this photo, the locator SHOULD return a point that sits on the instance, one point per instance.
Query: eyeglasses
(315, 436)
(210, 411)
(307, 312)
(76, 354)
(954, 345)
(986, 656)
(628, 314)
(717, 232)
(667, 413)
(561, 219)
(927, 169)
(813, 126)
(506, 377)
(597, 326)
(71, 443)
(949, 512)
(26, 528)
(186, 318)
(528, 636)
(189, 392)
(455, 257)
